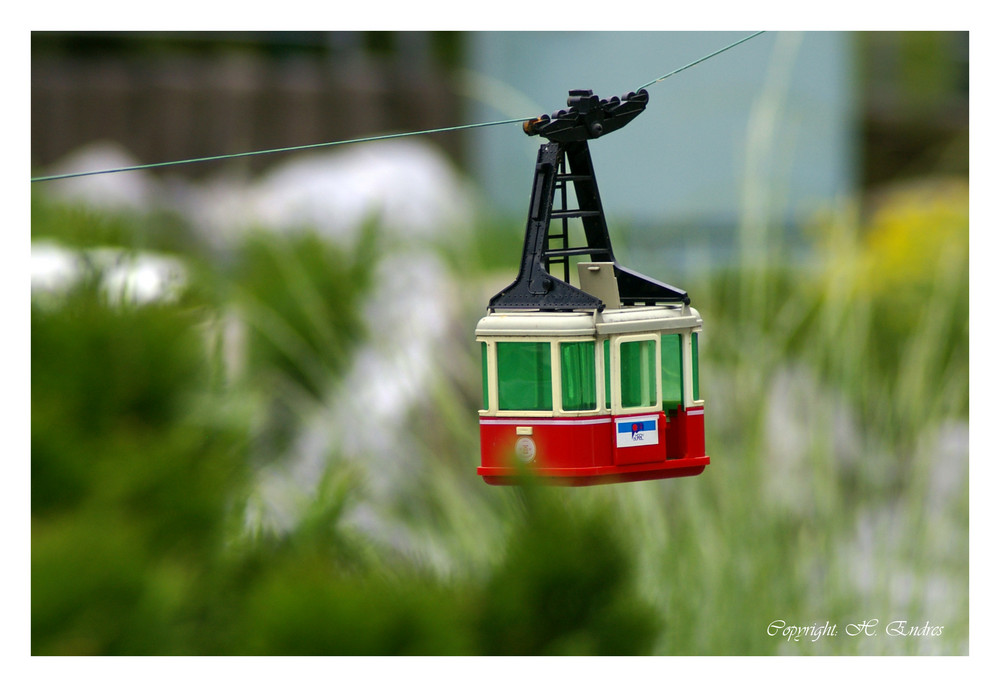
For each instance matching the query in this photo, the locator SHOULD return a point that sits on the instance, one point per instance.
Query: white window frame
(688, 361)
(555, 364)
(616, 377)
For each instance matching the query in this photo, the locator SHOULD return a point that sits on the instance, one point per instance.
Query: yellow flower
(919, 234)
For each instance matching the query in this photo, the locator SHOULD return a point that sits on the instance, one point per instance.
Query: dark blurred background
(168, 96)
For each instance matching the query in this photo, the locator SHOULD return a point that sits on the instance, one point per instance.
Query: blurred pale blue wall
(766, 128)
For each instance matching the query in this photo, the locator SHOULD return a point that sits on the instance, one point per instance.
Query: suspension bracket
(563, 161)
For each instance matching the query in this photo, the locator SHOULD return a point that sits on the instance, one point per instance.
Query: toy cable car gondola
(593, 384)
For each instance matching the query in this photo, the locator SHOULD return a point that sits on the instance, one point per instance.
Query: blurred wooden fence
(178, 107)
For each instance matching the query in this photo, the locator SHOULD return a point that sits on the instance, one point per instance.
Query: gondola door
(639, 434)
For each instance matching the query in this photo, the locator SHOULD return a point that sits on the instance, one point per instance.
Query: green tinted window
(486, 388)
(524, 375)
(638, 370)
(672, 372)
(579, 375)
(694, 366)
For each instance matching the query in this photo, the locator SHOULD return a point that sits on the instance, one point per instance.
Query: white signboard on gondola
(637, 431)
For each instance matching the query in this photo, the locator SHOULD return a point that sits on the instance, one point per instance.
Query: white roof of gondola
(588, 323)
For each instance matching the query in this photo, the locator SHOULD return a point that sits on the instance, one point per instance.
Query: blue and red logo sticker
(637, 431)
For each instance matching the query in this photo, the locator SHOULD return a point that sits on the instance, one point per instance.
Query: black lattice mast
(566, 160)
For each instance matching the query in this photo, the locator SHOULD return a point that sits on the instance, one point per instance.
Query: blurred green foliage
(830, 388)
(78, 225)
(881, 313)
(304, 296)
(844, 380)
(132, 477)
(142, 455)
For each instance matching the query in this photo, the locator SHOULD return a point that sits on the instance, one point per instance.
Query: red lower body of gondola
(580, 451)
